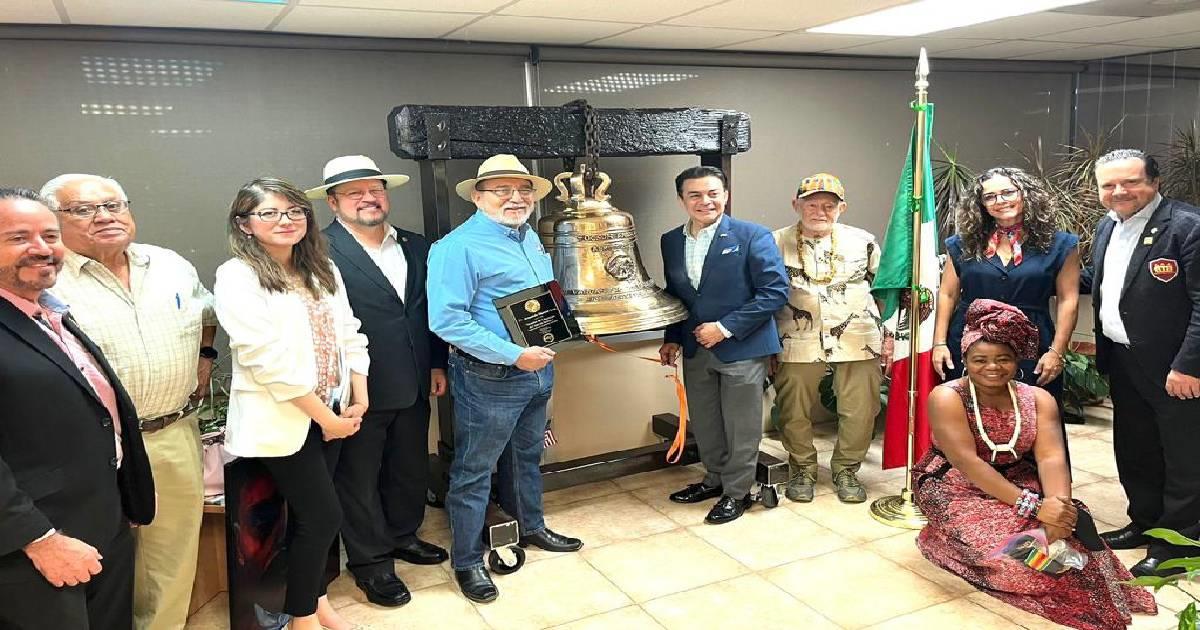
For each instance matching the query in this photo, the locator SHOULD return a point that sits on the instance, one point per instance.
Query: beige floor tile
(685, 514)
(1080, 477)
(549, 593)
(765, 538)
(1081, 430)
(601, 521)
(583, 492)
(629, 618)
(744, 602)
(1093, 455)
(213, 616)
(440, 606)
(959, 613)
(673, 475)
(662, 564)
(435, 519)
(849, 520)
(856, 588)
(1106, 500)
(1026, 620)
(902, 550)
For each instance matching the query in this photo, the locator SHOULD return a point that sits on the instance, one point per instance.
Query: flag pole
(900, 510)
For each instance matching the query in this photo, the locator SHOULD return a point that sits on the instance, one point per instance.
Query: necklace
(826, 277)
(1012, 443)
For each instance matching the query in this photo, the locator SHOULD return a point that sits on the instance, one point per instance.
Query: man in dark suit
(73, 470)
(383, 470)
(731, 276)
(1146, 294)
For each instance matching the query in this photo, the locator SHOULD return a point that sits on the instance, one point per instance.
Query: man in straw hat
(500, 388)
(829, 322)
(383, 470)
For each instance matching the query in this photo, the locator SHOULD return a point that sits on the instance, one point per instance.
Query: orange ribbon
(677, 445)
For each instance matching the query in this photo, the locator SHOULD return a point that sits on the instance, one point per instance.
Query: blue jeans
(499, 423)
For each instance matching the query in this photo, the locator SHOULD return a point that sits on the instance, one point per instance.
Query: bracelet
(1028, 504)
(941, 343)
(1060, 356)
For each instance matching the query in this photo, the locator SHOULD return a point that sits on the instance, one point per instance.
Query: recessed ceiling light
(930, 16)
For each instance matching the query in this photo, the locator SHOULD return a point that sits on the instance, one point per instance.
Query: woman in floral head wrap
(998, 467)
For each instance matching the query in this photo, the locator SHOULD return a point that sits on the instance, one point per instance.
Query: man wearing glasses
(383, 470)
(146, 309)
(500, 388)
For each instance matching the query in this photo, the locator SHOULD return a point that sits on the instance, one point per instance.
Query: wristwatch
(208, 352)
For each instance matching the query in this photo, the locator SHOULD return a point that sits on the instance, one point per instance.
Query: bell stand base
(898, 511)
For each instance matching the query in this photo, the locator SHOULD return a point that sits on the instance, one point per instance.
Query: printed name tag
(1164, 269)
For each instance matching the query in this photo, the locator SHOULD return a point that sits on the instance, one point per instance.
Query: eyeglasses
(273, 216)
(506, 192)
(358, 195)
(89, 210)
(992, 199)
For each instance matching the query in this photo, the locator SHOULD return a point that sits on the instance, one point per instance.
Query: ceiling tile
(173, 13)
(537, 30)
(1187, 40)
(1087, 53)
(1014, 48)
(370, 22)
(804, 42)
(446, 6)
(1032, 25)
(687, 37)
(779, 15)
(1146, 28)
(30, 12)
(639, 11)
(911, 46)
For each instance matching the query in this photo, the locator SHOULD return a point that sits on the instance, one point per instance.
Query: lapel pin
(1153, 230)
(1149, 240)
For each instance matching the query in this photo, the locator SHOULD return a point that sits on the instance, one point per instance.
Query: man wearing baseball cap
(383, 470)
(500, 388)
(830, 322)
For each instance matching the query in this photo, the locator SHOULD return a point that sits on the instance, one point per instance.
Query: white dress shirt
(695, 250)
(1124, 239)
(389, 257)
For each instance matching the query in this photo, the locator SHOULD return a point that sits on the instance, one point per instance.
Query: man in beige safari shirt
(829, 322)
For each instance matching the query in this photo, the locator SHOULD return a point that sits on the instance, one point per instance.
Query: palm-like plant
(952, 181)
(1181, 169)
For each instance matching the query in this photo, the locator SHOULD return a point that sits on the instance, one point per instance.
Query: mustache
(29, 261)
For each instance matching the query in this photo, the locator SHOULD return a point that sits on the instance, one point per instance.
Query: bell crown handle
(559, 179)
(579, 185)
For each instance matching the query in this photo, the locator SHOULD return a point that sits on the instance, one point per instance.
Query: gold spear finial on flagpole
(900, 510)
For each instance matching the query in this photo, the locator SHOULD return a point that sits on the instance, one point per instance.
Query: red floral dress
(966, 524)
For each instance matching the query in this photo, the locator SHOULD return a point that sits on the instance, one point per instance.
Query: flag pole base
(898, 511)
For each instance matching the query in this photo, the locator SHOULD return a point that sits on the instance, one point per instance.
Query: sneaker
(800, 487)
(849, 489)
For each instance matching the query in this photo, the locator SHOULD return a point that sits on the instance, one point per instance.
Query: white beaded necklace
(1012, 443)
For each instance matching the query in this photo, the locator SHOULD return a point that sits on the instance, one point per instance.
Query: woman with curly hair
(1007, 249)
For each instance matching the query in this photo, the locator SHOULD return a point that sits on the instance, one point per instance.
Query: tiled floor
(650, 563)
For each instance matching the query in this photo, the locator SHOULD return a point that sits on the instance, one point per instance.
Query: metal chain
(591, 146)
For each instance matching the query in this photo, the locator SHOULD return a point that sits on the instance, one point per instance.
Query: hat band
(497, 173)
(358, 173)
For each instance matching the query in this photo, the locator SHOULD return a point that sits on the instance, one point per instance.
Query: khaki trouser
(856, 384)
(165, 560)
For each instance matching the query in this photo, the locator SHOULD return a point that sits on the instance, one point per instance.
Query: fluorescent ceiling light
(929, 16)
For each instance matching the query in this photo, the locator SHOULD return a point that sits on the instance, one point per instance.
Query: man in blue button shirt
(500, 389)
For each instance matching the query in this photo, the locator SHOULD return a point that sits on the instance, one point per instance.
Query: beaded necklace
(827, 277)
(1012, 443)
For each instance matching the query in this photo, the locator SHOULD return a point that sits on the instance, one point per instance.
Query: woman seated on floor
(997, 468)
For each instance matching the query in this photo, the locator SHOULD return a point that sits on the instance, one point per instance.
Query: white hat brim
(391, 181)
(541, 186)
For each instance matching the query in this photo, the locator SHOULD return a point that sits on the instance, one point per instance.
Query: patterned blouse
(830, 315)
(324, 339)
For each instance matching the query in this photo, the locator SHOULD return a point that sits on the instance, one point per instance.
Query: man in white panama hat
(383, 470)
(500, 388)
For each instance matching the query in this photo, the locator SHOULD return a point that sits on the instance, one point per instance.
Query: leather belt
(150, 425)
(472, 358)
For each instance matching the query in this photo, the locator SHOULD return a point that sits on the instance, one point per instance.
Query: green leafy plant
(1181, 168)
(215, 407)
(1083, 384)
(1189, 569)
(952, 181)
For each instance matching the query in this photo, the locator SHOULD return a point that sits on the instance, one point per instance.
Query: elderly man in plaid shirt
(147, 310)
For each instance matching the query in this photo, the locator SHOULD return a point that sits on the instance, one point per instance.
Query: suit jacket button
(113, 462)
(105, 422)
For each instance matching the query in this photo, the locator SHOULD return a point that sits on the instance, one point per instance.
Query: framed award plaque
(538, 316)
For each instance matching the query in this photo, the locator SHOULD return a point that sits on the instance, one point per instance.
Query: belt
(472, 358)
(150, 425)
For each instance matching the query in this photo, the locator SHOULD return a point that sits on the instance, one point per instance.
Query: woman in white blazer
(299, 373)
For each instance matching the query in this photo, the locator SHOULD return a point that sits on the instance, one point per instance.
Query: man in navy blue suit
(731, 276)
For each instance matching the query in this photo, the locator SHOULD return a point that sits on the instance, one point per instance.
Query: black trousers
(382, 476)
(305, 481)
(1156, 439)
(104, 603)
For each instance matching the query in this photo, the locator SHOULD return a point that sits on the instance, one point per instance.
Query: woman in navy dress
(1007, 249)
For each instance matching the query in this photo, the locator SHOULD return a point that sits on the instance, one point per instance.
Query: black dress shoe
(696, 493)
(477, 585)
(417, 551)
(1149, 567)
(551, 541)
(727, 509)
(384, 590)
(1128, 537)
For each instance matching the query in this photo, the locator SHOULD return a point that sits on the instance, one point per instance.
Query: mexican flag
(892, 285)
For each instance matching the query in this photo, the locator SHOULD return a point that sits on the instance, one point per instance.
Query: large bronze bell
(596, 260)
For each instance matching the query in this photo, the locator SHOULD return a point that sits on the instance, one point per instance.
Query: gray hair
(51, 188)
(1128, 154)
